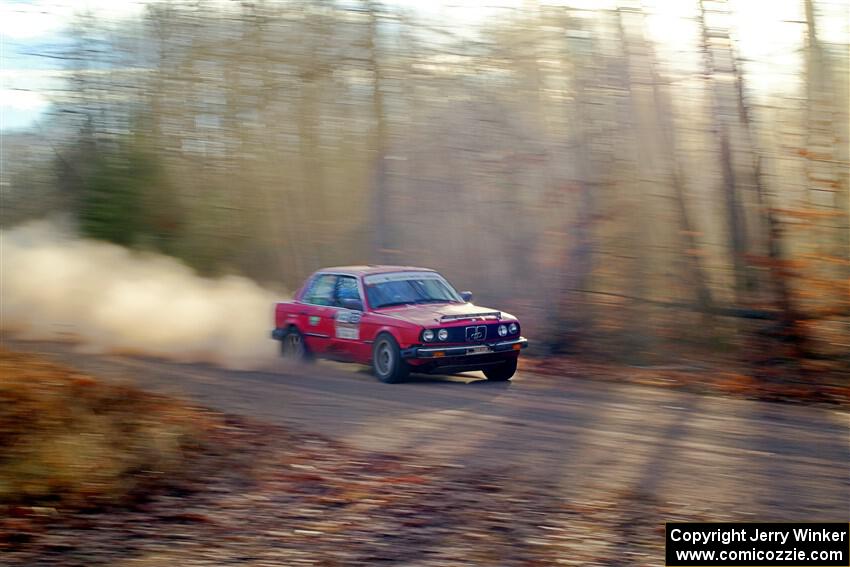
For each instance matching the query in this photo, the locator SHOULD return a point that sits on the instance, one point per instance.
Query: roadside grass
(68, 440)
(823, 383)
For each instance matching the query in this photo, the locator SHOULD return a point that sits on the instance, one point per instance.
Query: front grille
(491, 333)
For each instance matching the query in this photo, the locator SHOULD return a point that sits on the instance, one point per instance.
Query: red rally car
(397, 319)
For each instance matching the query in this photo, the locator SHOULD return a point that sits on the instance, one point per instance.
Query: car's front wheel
(387, 363)
(503, 371)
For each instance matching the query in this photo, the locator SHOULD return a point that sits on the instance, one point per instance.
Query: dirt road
(740, 459)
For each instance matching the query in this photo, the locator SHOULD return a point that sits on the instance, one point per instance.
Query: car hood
(430, 314)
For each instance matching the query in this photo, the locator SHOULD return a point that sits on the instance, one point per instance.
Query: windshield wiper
(433, 300)
(392, 303)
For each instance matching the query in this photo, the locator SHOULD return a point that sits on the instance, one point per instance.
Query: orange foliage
(807, 214)
(70, 439)
(768, 262)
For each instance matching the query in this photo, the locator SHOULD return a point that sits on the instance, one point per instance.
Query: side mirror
(466, 296)
(352, 303)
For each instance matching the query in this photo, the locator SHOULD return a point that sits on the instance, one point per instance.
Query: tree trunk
(722, 109)
(381, 248)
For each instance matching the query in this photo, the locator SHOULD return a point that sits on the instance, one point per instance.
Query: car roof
(373, 269)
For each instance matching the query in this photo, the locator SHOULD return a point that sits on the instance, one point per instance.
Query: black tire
(293, 347)
(387, 364)
(502, 372)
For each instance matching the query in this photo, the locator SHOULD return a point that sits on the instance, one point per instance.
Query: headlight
(427, 335)
(513, 328)
(443, 334)
(503, 330)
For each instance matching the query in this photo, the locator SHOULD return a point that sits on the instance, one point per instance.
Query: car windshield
(403, 288)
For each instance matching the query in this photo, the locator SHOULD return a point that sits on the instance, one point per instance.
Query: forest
(636, 182)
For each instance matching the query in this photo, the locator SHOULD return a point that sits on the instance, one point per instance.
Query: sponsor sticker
(347, 325)
(401, 276)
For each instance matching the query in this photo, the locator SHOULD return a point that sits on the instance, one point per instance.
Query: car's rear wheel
(387, 363)
(293, 347)
(503, 371)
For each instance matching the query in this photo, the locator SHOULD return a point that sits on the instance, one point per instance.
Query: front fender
(400, 334)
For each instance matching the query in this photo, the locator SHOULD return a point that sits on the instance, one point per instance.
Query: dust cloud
(55, 285)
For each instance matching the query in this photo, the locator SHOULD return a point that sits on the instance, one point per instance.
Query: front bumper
(436, 352)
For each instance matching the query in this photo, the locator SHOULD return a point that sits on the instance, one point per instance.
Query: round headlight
(513, 328)
(503, 330)
(442, 334)
(428, 335)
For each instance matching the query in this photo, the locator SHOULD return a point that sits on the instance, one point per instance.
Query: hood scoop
(461, 316)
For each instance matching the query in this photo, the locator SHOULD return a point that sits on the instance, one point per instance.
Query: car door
(316, 315)
(346, 335)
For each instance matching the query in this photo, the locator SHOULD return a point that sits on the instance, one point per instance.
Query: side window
(346, 288)
(321, 290)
